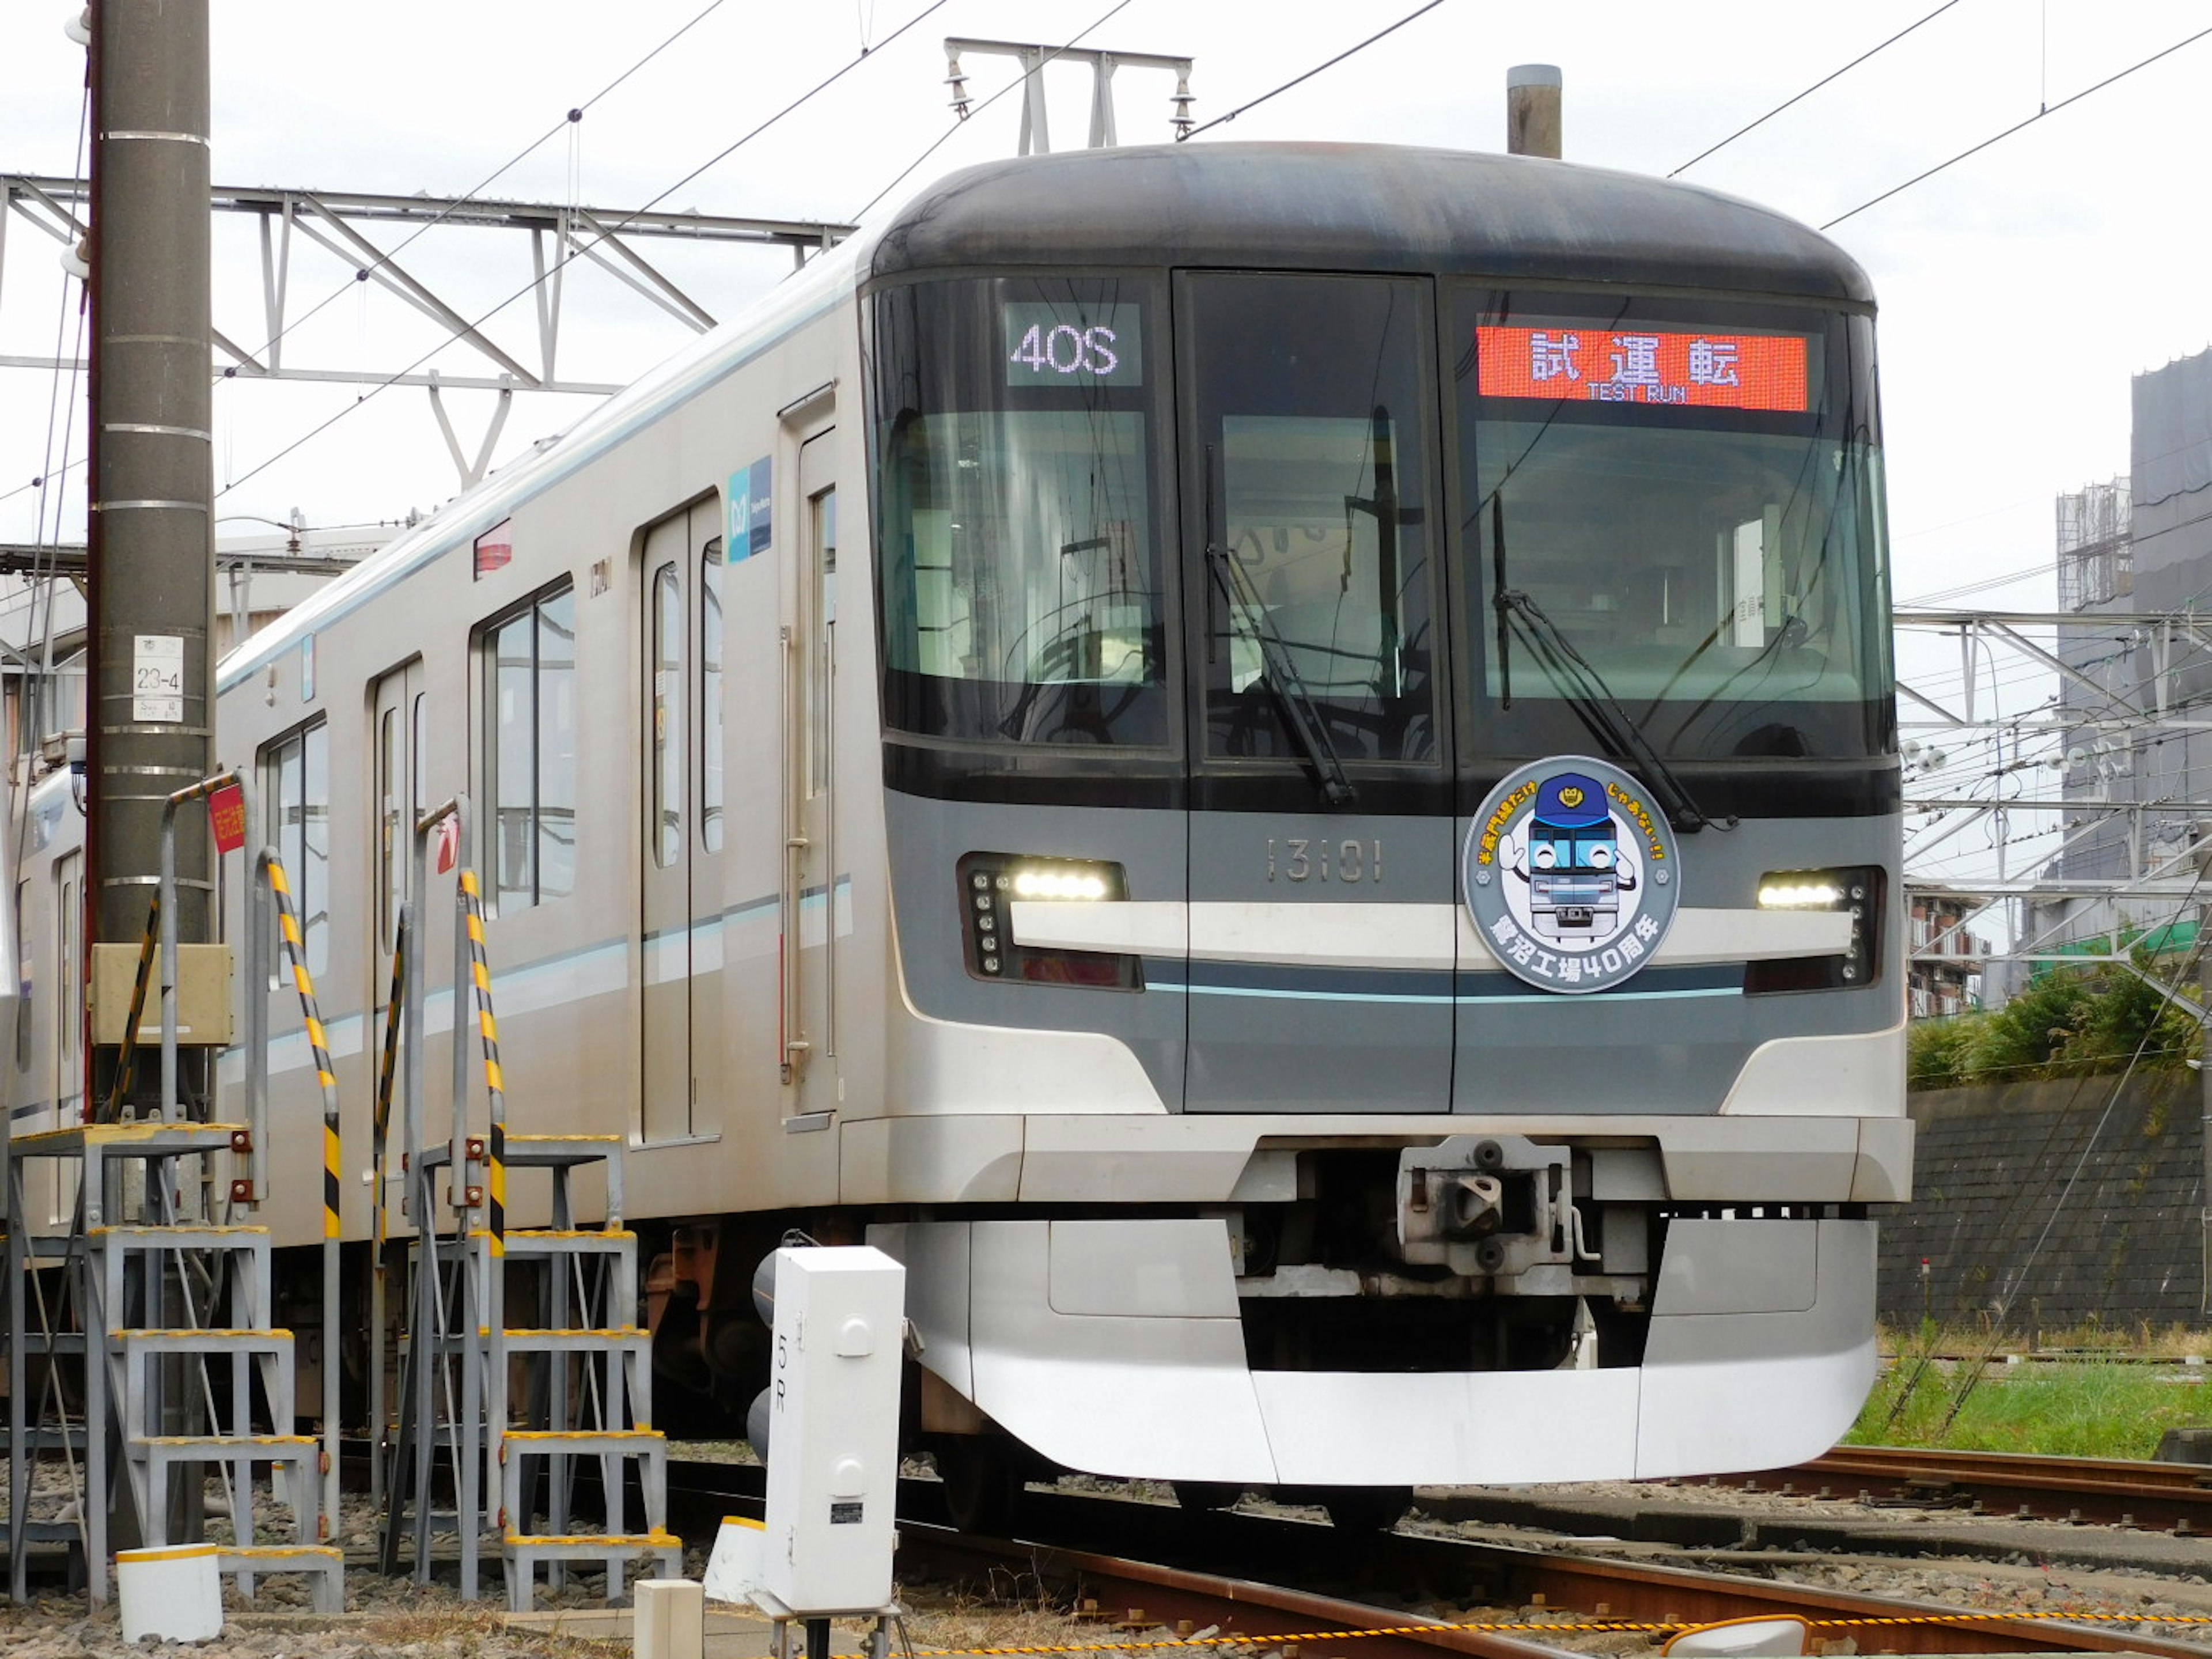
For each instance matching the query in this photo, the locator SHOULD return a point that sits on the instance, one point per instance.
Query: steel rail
(2112, 1492)
(1080, 1544)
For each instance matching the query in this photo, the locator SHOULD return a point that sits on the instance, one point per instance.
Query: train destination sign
(1693, 368)
(1074, 345)
(1571, 874)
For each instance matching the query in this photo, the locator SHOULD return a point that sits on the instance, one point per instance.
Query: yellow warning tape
(1226, 1639)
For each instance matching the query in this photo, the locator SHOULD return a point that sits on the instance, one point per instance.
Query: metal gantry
(344, 224)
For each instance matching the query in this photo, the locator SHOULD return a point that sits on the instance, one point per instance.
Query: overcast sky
(2021, 290)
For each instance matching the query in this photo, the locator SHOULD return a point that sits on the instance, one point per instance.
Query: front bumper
(1114, 1346)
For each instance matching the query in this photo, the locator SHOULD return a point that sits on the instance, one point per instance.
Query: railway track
(1141, 1566)
(2174, 1498)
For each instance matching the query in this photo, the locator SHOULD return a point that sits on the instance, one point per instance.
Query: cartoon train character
(1575, 881)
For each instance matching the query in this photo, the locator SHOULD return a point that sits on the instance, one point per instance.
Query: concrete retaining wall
(1995, 1220)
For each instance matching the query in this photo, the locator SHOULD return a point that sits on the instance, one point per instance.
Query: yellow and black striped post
(288, 919)
(494, 1083)
(388, 1072)
(387, 1076)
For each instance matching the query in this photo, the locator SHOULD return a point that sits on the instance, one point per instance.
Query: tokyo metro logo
(1571, 874)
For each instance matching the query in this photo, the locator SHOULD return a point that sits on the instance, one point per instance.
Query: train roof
(806, 294)
(1315, 206)
(1299, 205)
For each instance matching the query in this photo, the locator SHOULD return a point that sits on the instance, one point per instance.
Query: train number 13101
(1295, 858)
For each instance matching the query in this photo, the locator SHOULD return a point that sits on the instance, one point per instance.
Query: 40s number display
(1064, 349)
(1073, 344)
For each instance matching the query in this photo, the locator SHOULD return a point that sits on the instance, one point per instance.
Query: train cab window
(1673, 508)
(529, 664)
(1020, 558)
(1310, 448)
(295, 782)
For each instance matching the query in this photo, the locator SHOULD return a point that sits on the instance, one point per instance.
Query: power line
(570, 119)
(940, 141)
(2051, 109)
(1299, 80)
(1810, 90)
(579, 251)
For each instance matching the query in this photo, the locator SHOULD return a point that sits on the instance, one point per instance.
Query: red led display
(1697, 369)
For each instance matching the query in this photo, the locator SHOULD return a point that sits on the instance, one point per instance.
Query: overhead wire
(1349, 52)
(1801, 97)
(2017, 126)
(582, 249)
(569, 122)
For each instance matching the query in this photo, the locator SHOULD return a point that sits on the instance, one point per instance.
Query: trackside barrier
(270, 868)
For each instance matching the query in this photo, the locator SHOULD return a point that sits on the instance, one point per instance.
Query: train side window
(529, 664)
(295, 782)
(710, 696)
(822, 692)
(23, 1014)
(395, 831)
(668, 689)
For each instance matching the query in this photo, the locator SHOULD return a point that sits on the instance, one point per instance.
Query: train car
(1037, 748)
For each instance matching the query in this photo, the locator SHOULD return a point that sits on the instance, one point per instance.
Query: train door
(1321, 771)
(396, 759)
(680, 634)
(813, 893)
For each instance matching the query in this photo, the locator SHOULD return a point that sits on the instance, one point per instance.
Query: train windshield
(1674, 517)
(1020, 561)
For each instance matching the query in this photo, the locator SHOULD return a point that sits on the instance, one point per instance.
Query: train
(1274, 764)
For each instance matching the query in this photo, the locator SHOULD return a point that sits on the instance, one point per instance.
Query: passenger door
(681, 819)
(813, 895)
(396, 759)
(1320, 847)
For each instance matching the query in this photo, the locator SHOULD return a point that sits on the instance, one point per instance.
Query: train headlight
(988, 882)
(1853, 891)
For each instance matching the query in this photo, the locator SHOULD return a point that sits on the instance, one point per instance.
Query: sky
(2021, 289)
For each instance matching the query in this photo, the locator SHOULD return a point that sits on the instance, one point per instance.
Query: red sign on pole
(227, 818)
(449, 843)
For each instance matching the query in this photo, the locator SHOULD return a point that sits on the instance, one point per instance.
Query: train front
(1392, 817)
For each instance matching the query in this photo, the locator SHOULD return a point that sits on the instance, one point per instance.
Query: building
(2138, 546)
(1945, 974)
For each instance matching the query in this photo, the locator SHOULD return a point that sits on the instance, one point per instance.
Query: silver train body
(986, 753)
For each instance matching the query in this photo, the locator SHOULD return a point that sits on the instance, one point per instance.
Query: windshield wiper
(1587, 693)
(1296, 703)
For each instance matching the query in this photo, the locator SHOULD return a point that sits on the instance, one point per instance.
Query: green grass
(2086, 1409)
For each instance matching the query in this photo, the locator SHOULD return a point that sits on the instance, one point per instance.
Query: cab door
(680, 829)
(1321, 850)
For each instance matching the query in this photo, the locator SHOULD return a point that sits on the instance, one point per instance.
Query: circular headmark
(1569, 873)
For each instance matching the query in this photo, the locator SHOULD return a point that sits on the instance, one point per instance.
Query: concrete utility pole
(1532, 110)
(149, 725)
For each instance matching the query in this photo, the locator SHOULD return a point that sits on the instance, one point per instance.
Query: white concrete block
(671, 1619)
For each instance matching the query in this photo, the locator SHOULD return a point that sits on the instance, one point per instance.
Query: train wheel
(980, 1484)
(1366, 1508)
(1198, 1496)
